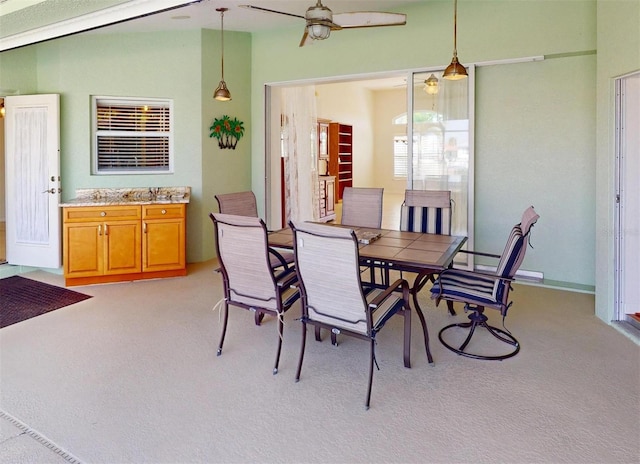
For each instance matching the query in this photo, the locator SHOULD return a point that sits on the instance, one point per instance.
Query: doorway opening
(627, 221)
(3, 223)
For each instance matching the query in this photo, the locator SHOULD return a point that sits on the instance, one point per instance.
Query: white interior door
(628, 211)
(32, 155)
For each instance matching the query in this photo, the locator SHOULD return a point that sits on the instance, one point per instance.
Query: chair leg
(304, 340)
(317, 332)
(280, 334)
(478, 319)
(224, 328)
(371, 358)
(406, 312)
(450, 308)
(258, 316)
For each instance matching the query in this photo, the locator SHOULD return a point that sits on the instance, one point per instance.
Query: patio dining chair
(478, 290)
(249, 280)
(334, 297)
(427, 212)
(244, 204)
(362, 207)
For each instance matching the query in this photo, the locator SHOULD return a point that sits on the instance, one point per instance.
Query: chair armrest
(479, 253)
(283, 262)
(400, 283)
(287, 278)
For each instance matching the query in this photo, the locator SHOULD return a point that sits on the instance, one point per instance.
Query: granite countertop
(129, 196)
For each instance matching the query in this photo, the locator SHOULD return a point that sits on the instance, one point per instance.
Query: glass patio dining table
(414, 252)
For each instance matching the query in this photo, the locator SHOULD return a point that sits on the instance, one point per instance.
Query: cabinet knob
(164, 211)
(103, 213)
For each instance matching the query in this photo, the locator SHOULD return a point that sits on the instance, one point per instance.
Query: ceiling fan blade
(259, 8)
(306, 40)
(369, 19)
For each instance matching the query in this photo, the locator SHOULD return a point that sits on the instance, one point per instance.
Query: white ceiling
(29, 21)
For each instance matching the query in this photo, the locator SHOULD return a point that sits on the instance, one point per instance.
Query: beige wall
(350, 103)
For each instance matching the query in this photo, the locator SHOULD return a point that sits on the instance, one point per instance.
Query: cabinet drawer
(163, 211)
(107, 213)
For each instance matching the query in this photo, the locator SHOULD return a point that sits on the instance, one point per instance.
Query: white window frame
(137, 102)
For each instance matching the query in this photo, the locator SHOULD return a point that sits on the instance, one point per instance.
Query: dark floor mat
(22, 299)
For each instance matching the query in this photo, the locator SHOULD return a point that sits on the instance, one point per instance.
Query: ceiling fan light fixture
(319, 19)
(431, 85)
(455, 70)
(222, 92)
(318, 31)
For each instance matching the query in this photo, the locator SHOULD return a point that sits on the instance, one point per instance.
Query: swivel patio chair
(334, 297)
(244, 204)
(249, 280)
(483, 290)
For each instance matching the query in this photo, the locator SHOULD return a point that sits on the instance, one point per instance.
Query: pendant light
(455, 70)
(431, 85)
(222, 93)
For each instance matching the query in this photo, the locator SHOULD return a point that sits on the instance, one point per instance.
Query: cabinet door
(330, 201)
(163, 246)
(83, 249)
(122, 247)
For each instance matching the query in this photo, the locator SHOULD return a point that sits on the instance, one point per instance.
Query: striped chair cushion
(387, 308)
(469, 287)
(425, 219)
(513, 254)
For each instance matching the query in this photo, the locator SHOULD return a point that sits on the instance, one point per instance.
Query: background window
(132, 136)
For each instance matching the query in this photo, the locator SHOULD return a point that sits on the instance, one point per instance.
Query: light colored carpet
(131, 376)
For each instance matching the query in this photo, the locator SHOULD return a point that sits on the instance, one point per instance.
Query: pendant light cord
(455, 28)
(222, 41)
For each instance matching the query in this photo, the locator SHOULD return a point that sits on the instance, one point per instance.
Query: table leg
(414, 293)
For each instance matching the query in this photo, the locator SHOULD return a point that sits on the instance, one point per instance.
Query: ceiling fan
(321, 20)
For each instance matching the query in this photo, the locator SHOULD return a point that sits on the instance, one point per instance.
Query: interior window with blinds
(132, 136)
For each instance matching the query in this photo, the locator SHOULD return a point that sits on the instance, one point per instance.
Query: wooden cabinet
(341, 156)
(120, 243)
(163, 237)
(326, 198)
(101, 241)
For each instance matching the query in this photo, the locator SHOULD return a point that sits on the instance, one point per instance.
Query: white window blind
(132, 136)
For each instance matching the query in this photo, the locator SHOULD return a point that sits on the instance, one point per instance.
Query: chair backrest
(239, 204)
(329, 274)
(529, 218)
(426, 211)
(362, 207)
(241, 243)
(516, 246)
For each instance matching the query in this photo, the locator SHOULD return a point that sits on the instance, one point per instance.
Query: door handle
(51, 190)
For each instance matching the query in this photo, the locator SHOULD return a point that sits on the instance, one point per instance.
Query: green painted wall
(18, 71)
(183, 66)
(535, 133)
(618, 54)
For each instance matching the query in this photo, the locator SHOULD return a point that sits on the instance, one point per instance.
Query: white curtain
(299, 150)
(30, 197)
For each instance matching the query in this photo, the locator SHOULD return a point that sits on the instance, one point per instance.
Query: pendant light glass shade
(222, 92)
(455, 70)
(431, 85)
